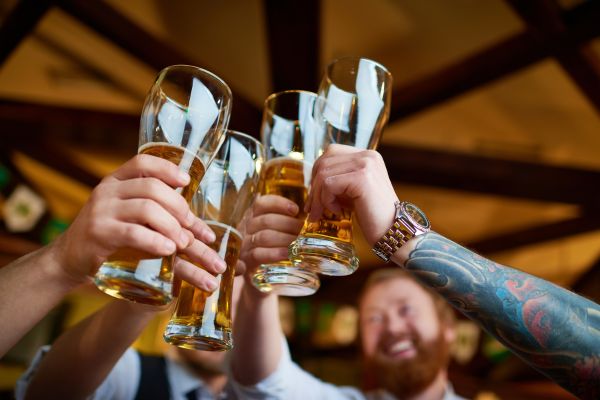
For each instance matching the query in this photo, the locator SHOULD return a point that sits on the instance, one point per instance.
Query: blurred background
(494, 132)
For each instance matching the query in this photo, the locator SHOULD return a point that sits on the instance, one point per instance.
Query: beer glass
(202, 320)
(353, 104)
(183, 120)
(292, 142)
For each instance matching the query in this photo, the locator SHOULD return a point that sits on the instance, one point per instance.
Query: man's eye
(374, 319)
(405, 309)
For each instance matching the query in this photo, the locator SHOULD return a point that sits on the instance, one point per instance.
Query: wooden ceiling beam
(116, 132)
(293, 29)
(497, 61)
(19, 23)
(536, 234)
(588, 284)
(53, 157)
(580, 62)
(32, 123)
(493, 176)
(106, 21)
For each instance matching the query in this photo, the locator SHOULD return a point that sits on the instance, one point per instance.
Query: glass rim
(289, 91)
(232, 132)
(168, 68)
(357, 58)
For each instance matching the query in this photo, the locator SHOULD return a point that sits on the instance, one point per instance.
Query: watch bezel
(403, 210)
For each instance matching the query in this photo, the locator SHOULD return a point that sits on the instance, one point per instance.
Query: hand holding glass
(353, 106)
(183, 120)
(292, 139)
(202, 320)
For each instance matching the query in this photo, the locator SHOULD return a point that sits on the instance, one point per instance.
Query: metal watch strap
(398, 234)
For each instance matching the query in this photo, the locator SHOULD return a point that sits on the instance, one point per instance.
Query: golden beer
(150, 284)
(202, 320)
(284, 176)
(331, 226)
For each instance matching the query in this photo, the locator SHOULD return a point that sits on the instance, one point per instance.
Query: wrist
(409, 222)
(251, 295)
(54, 264)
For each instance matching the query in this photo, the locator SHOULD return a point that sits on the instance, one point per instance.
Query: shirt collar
(182, 379)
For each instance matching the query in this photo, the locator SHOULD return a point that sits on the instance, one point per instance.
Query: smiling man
(406, 329)
(406, 333)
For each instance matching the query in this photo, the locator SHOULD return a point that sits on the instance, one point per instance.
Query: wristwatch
(409, 222)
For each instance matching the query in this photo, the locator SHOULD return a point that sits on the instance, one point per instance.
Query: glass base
(285, 279)
(325, 255)
(196, 338)
(123, 284)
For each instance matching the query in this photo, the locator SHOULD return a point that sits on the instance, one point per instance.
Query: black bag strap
(154, 383)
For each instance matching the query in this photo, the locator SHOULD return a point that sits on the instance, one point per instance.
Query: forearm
(82, 357)
(257, 337)
(29, 288)
(554, 330)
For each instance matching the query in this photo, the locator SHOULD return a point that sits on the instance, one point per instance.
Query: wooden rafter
(536, 234)
(293, 34)
(579, 62)
(495, 62)
(19, 23)
(106, 21)
(501, 177)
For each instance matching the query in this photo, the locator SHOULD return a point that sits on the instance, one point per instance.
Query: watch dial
(417, 215)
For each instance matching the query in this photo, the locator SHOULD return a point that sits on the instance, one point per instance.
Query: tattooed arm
(552, 329)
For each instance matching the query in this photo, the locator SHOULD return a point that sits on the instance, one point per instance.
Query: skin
(134, 207)
(552, 329)
(393, 314)
(271, 225)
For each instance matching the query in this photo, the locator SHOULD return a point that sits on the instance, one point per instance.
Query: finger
(140, 238)
(276, 222)
(144, 165)
(274, 204)
(333, 152)
(324, 167)
(263, 255)
(194, 275)
(240, 268)
(201, 254)
(160, 192)
(202, 231)
(147, 212)
(270, 238)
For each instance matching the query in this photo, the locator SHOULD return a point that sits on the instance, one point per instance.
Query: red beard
(405, 378)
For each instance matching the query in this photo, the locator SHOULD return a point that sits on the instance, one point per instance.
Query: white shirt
(290, 382)
(123, 381)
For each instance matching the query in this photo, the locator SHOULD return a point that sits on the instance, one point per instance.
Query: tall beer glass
(183, 120)
(292, 139)
(202, 320)
(354, 104)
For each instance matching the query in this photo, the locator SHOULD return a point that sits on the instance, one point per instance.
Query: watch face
(417, 215)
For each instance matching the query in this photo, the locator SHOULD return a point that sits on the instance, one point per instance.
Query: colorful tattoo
(552, 329)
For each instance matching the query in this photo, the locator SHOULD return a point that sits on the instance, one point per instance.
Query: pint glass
(353, 105)
(292, 142)
(202, 320)
(183, 120)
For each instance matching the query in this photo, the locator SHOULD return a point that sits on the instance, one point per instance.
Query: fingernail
(183, 177)
(211, 284)
(169, 246)
(210, 236)
(190, 218)
(293, 208)
(221, 265)
(184, 238)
